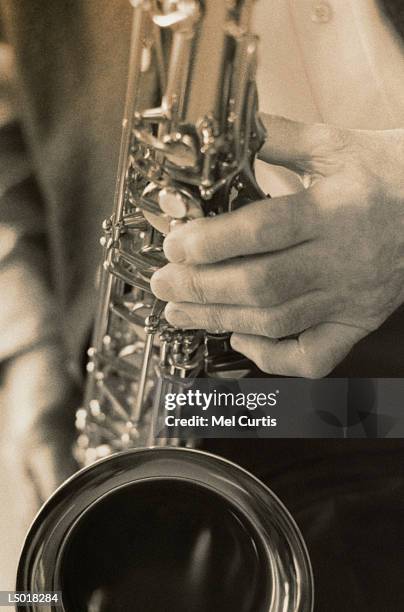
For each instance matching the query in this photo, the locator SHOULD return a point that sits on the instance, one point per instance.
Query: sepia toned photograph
(201, 305)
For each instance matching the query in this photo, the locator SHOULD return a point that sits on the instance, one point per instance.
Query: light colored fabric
(330, 61)
(348, 71)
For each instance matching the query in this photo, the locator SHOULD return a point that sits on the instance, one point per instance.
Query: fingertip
(169, 308)
(236, 342)
(176, 314)
(173, 247)
(154, 283)
(159, 284)
(171, 314)
(183, 244)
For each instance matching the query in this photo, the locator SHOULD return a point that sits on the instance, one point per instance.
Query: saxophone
(155, 524)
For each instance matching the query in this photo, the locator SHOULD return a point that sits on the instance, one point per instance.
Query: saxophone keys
(179, 204)
(173, 203)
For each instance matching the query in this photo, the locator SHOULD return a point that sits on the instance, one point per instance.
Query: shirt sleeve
(28, 314)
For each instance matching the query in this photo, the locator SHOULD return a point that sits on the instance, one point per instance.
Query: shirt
(330, 61)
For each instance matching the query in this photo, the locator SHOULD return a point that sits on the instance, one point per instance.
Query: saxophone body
(150, 523)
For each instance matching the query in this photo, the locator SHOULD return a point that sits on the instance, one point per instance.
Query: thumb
(302, 147)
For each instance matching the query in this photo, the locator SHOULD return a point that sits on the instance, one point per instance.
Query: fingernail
(161, 285)
(178, 317)
(174, 248)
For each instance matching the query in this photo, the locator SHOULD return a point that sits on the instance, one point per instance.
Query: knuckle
(194, 281)
(256, 285)
(273, 293)
(248, 283)
(215, 319)
(363, 189)
(330, 137)
(317, 208)
(288, 219)
(259, 229)
(329, 145)
(200, 246)
(293, 223)
(277, 325)
(262, 325)
(259, 297)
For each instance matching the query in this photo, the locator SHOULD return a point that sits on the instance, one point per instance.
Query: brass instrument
(159, 525)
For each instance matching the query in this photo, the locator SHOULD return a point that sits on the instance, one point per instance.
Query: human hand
(325, 264)
(48, 452)
(39, 401)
